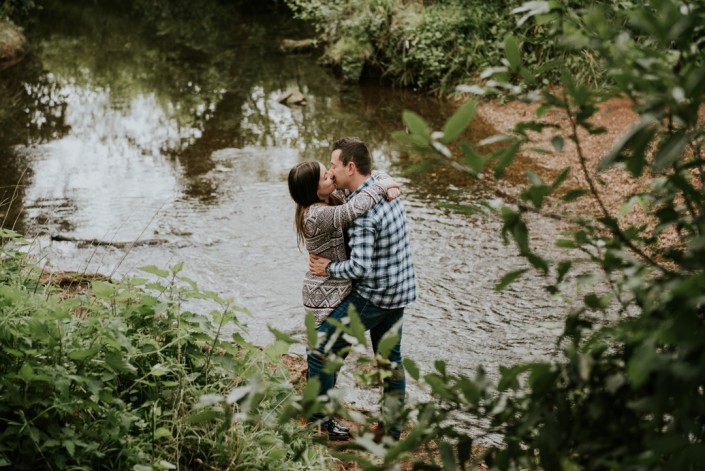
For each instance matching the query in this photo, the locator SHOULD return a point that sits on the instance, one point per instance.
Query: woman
(321, 219)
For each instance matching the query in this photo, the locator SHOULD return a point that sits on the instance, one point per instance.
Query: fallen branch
(94, 242)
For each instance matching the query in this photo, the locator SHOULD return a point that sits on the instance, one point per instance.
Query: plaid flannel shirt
(380, 258)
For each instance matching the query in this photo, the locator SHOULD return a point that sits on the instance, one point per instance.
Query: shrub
(437, 45)
(626, 393)
(114, 379)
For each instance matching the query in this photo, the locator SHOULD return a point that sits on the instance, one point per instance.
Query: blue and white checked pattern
(380, 258)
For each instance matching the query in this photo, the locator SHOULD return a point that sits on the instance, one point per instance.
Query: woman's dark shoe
(335, 430)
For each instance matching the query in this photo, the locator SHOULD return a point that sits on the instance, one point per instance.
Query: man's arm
(362, 240)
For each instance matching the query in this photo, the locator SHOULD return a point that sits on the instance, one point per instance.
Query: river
(127, 125)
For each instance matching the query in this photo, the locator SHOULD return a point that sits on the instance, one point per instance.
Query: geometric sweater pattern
(324, 226)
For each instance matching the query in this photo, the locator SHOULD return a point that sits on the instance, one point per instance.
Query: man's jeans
(375, 319)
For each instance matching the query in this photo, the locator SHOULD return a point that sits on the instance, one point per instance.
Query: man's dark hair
(353, 149)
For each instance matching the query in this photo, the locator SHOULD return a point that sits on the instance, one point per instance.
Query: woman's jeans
(375, 319)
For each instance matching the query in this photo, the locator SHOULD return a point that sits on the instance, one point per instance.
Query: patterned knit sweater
(324, 226)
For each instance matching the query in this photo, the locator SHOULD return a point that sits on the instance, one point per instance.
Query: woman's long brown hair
(303, 188)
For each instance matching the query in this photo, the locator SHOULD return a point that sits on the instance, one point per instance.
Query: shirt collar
(367, 183)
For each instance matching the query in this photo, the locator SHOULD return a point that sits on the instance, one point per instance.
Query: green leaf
(419, 167)
(410, 139)
(557, 143)
(560, 178)
(386, 344)
(203, 416)
(310, 392)
(512, 52)
(447, 456)
(509, 376)
(670, 152)
(596, 302)
(411, 368)
(26, 372)
(281, 336)
(357, 328)
(514, 224)
(460, 120)
(541, 378)
(155, 271)
(637, 140)
(177, 268)
(563, 267)
(573, 195)
(464, 450)
(527, 75)
(546, 66)
(470, 390)
(117, 362)
(102, 290)
(509, 278)
(417, 125)
(276, 349)
(161, 432)
(82, 355)
(311, 330)
(641, 363)
(353, 457)
(472, 158)
(440, 366)
(508, 156)
(538, 262)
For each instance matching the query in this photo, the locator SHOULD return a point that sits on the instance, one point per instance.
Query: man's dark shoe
(335, 430)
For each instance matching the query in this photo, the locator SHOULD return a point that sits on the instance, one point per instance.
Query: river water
(126, 124)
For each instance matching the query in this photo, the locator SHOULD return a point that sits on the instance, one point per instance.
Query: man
(380, 263)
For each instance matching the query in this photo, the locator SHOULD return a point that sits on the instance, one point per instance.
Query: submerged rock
(293, 98)
(13, 45)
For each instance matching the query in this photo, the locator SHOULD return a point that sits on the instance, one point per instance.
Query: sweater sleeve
(380, 174)
(321, 219)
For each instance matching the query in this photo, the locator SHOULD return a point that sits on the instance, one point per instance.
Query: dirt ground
(615, 115)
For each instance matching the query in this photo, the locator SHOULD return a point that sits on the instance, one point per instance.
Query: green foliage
(626, 393)
(13, 8)
(437, 45)
(121, 379)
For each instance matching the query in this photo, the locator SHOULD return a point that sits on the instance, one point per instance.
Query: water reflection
(142, 125)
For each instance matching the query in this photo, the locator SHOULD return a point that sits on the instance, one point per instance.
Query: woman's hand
(317, 265)
(393, 193)
(393, 188)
